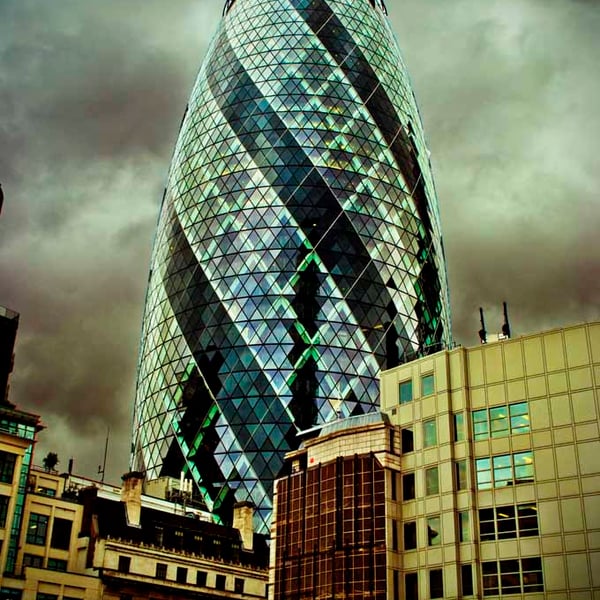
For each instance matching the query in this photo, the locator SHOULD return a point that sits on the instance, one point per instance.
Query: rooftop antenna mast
(482, 332)
(102, 468)
(506, 324)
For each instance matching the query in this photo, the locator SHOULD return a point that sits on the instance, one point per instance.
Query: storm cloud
(91, 97)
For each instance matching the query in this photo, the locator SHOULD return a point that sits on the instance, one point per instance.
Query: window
(201, 578)
(410, 535)
(181, 575)
(408, 486)
(427, 385)
(7, 593)
(220, 582)
(238, 585)
(394, 485)
(504, 470)
(512, 576)
(464, 531)
(501, 421)
(161, 571)
(37, 529)
(406, 392)
(44, 596)
(458, 428)
(45, 491)
(408, 441)
(57, 564)
(432, 484)
(4, 500)
(32, 560)
(436, 583)
(7, 466)
(411, 586)
(434, 535)
(429, 433)
(124, 564)
(394, 525)
(396, 585)
(460, 474)
(504, 522)
(61, 533)
(466, 580)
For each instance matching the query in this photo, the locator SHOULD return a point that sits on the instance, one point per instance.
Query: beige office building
(500, 469)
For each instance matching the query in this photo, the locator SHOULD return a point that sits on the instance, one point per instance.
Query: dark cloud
(91, 96)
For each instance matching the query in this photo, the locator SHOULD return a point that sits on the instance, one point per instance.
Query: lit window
(429, 433)
(427, 385)
(434, 534)
(432, 483)
(406, 392)
(37, 529)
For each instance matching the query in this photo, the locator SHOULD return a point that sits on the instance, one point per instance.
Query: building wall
(298, 250)
(529, 408)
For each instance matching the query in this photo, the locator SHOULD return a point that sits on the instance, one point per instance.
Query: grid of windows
(504, 470)
(512, 576)
(37, 529)
(500, 421)
(266, 290)
(504, 522)
(334, 531)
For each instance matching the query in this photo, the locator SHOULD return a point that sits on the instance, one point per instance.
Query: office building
(298, 249)
(481, 479)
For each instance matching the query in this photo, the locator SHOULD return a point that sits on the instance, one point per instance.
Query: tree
(50, 461)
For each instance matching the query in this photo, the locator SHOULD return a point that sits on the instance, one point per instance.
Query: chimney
(131, 495)
(243, 514)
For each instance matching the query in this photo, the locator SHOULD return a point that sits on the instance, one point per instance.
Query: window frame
(430, 437)
(405, 391)
(432, 486)
(427, 384)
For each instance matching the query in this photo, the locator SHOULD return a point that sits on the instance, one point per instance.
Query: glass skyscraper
(298, 249)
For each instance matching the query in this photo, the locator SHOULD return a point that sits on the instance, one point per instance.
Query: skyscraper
(298, 249)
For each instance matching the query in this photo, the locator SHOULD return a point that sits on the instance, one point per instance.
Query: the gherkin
(298, 249)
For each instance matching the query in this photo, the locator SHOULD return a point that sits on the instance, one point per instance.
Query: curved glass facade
(298, 249)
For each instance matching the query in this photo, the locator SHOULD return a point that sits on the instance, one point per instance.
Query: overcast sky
(91, 97)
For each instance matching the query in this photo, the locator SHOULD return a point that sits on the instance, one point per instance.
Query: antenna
(506, 324)
(482, 332)
(102, 468)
